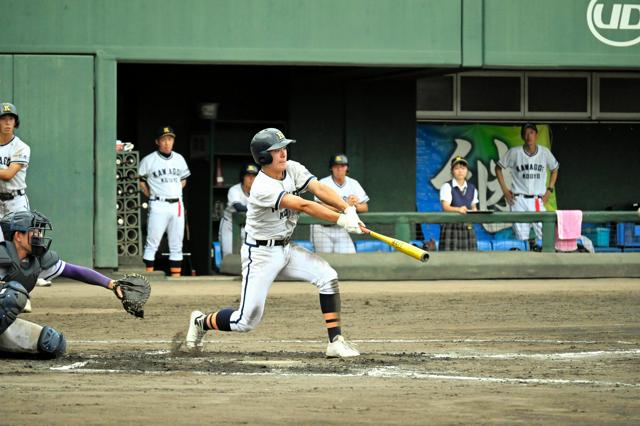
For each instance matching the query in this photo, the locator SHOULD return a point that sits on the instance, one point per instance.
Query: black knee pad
(13, 298)
(51, 343)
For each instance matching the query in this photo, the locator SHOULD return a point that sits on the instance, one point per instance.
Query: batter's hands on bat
(350, 221)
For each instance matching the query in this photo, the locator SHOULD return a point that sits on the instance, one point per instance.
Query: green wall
(248, 31)
(552, 33)
(55, 100)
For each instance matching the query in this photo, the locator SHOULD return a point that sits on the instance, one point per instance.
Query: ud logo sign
(616, 23)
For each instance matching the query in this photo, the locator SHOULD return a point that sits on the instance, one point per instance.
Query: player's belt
(168, 200)
(6, 196)
(268, 243)
(527, 195)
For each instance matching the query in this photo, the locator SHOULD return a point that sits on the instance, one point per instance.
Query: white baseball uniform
(267, 253)
(529, 183)
(225, 232)
(164, 176)
(334, 238)
(13, 195)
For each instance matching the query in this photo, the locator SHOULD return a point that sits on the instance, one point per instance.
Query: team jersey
(265, 219)
(14, 151)
(349, 187)
(528, 171)
(164, 174)
(235, 195)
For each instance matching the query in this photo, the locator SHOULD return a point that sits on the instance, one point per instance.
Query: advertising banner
(482, 145)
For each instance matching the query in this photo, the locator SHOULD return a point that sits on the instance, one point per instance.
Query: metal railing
(404, 222)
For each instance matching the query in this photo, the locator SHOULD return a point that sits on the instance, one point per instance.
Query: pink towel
(568, 230)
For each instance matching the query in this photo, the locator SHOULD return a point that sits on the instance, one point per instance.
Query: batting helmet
(248, 169)
(528, 126)
(267, 140)
(25, 221)
(10, 109)
(338, 159)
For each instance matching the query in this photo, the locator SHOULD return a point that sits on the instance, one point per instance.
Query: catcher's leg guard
(13, 299)
(21, 337)
(51, 343)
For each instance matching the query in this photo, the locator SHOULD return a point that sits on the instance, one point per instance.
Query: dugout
(335, 75)
(327, 109)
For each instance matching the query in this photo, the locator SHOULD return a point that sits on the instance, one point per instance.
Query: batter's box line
(377, 341)
(380, 372)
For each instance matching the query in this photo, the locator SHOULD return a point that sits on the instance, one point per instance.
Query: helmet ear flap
(265, 158)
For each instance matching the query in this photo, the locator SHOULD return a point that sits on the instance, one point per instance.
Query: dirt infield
(552, 351)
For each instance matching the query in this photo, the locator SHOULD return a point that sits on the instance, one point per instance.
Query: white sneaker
(196, 330)
(340, 348)
(27, 307)
(41, 282)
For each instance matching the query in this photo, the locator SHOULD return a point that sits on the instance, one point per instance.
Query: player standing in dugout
(529, 191)
(330, 238)
(272, 215)
(163, 175)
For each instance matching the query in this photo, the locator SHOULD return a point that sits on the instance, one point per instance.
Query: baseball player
(25, 256)
(14, 161)
(163, 174)
(237, 199)
(272, 214)
(529, 190)
(333, 238)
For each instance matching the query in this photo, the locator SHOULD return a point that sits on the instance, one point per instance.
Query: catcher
(25, 257)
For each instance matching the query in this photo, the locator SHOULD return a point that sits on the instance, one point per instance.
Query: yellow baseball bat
(401, 246)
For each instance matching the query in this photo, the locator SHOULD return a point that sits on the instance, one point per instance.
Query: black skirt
(457, 237)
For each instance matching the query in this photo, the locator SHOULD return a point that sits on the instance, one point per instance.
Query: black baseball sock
(330, 306)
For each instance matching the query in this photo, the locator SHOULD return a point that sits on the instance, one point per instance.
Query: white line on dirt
(407, 341)
(547, 356)
(73, 366)
(383, 372)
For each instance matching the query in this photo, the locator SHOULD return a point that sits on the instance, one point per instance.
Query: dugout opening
(328, 109)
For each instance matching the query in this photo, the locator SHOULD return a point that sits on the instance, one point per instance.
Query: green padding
(480, 265)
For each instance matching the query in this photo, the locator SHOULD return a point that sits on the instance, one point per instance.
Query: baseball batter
(333, 238)
(237, 199)
(529, 190)
(14, 161)
(163, 175)
(273, 209)
(25, 256)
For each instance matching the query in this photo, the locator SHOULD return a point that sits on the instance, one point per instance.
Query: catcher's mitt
(135, 290)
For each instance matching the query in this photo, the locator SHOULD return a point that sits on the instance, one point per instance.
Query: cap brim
(167, 134)
(460, 162)
(281, 144)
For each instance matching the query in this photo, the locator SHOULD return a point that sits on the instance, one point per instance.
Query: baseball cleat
(340, 348)
(196, 330)
(41, 282)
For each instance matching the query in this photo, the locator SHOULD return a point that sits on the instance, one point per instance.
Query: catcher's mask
(28, 221)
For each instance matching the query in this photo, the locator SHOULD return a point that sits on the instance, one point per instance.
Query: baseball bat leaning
(401, 246)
